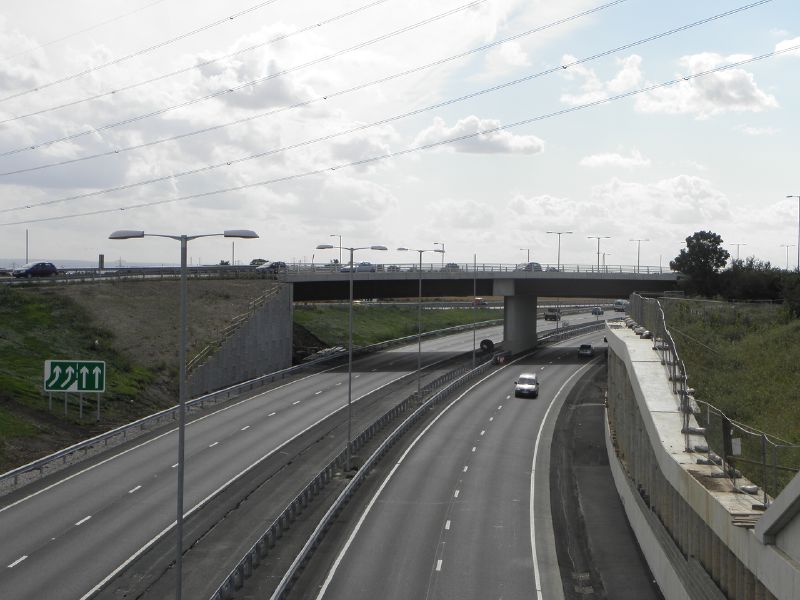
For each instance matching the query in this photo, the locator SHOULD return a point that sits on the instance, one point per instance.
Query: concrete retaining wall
(262, 344)
(694, 520)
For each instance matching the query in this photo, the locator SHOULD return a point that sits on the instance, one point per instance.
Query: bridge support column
(519, 325)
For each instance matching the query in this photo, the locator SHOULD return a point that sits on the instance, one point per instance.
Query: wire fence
(740, 451)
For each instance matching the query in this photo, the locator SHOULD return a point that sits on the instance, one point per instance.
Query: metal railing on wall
(767, 460)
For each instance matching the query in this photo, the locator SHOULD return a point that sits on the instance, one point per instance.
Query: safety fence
(448, 385)
(767, 460)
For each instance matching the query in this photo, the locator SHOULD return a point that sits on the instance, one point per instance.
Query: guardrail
(729, 442)
(125, 432)
(268, 538)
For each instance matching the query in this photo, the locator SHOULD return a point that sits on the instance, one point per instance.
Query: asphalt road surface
(455, 516)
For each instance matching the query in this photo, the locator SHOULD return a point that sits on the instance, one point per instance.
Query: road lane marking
(245, 428)
(447, 525)
(295, 402)
(542, 369)
(483, 431)
(474, 448)
(340, 383)
(501, 406)
(16, 562)
(491, 419)
(356, 376)
(138, 487)
(173, 466)
(466, 468)
(508, 397)
(318, 393)
(457, 492)
(439, 565)
(83, 520)
(373, 370)
(212, 445)
(272, 414)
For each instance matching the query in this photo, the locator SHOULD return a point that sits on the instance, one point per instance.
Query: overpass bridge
(520, 289)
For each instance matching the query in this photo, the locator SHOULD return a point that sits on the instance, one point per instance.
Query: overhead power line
(199, 65)
(121, 59)
(248, 84)
(384, 121)
(413, 149)
(81, 31)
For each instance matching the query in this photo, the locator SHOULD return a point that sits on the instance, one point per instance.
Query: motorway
(67, 536)
(454, 517)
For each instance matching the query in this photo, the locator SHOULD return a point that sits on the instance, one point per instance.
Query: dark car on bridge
(529, 266)
(36, 269)
(276, 266)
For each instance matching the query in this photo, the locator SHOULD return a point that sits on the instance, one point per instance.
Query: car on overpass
(362, 267)
(528, 266)
(36, 269)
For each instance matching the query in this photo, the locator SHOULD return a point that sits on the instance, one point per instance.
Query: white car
(526, 385)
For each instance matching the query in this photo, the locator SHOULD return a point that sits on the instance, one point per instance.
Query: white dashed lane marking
(501, 406)
(245, 428)
(138, 487)
(295, 402)
(318, 393)
(439, 565)
(466, 468)
(272, 414)
(83, 520)
(447, 525)
(474, 448)
(457, 492)
(491, 419)
(175, 465)
(212, 445)
(483, 432)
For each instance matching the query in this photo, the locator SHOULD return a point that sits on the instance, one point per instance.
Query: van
(620, 305)
(552, 313)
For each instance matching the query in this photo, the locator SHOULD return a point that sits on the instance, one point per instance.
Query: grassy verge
(372, 324)
(744, 360)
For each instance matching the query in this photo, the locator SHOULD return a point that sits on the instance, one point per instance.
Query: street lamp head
(124, 234)
(401, 249)
(378, 248)
(439, 250)
(324, 246)
(240, 233)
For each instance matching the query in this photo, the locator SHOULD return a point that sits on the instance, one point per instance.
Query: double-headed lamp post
(419, 314)
(598, 238)
(639, 250)
(349, 342)
(787, 246)
(558, 256)
(125, 234)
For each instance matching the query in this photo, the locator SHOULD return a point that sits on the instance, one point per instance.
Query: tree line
(702, 263)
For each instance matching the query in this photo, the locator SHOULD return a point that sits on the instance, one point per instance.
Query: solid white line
(16, 562)
(456, 493)
(447, 525)
(439, 565)
(212, 445)
(138, 487)
(533, 475)
(245, 428)
(83, 520)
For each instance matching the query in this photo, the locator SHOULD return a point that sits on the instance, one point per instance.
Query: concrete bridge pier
(519, 325)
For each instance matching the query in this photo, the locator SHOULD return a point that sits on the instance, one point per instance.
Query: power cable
(299, 104)
(375, 123)
(199, 65)
(248, 84)
(413, 149)
(161, 44)
(80, 31)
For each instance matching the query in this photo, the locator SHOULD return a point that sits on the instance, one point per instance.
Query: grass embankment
(375, 323)
(743, 359)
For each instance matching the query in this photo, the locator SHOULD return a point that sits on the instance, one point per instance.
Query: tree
(701, 261)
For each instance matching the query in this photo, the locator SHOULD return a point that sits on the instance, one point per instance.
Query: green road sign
(74, 376)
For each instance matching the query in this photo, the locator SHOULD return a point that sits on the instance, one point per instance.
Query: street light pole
(184, 240)
(348, 445)
(419, 314)
(559, 234)
(737, 249)
(787, 246)
(336, 235)
(442, 250)
(798, 228)
(529, 254)
(598, 238)
(638, 250)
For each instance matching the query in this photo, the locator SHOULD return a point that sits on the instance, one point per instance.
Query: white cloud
(491, 142)
(505, 58)
(681, 200)
(788, 44)
(756, 131)
(614, 159)
(593, 88)
(729, 90)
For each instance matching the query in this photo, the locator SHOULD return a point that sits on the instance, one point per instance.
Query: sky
(477, 125)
